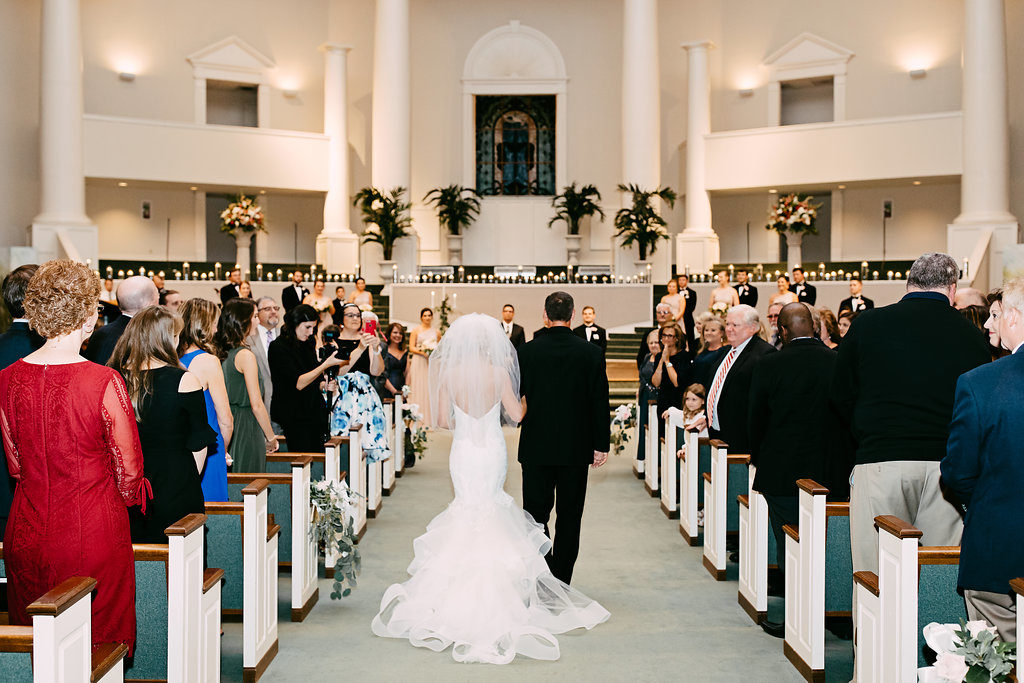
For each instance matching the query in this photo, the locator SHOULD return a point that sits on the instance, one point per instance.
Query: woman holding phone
(357, 402)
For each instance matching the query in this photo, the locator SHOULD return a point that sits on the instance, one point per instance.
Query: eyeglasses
(353, 315)
(269, 308)
(668, 335)
(773, 317)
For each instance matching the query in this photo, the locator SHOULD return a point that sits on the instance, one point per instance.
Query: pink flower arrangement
(242, 214)
(793, 213)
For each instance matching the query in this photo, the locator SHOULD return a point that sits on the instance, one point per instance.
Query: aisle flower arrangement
(622, 422)
(793, 213)
(334, 522)
(243, 215)
(413, 418)
(970, 652)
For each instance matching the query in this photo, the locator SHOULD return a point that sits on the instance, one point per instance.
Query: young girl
(692, 412)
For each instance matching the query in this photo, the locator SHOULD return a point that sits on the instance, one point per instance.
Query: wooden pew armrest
(105, 657)
(867, 579)
(812, 487)
(792, 532)
(897, 527)
(16, 639)
(718, 443)
(211, 577)
(186, 525)
(837, 509)
(707, 477)
(336, 441)
(744, 500)
(292, 457)
(248, 477)
(703, 440)
(737, 459)
(224, 508)
(54, 601)
(1017, 585)
(938, 554)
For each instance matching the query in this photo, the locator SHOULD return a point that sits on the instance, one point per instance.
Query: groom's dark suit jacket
(566, 387)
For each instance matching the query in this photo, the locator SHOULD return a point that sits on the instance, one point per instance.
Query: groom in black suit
(565, 430)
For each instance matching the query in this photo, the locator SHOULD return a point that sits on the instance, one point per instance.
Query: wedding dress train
(479, 581)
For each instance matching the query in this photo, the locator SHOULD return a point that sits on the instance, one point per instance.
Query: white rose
(951, 667)
(976, 627)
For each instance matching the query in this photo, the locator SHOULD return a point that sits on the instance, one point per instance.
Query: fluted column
(392, 118)
(337, 247)
(984, 184)
(697, 246)
(62, 229)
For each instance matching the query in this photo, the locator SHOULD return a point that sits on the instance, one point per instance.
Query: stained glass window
(515, 144)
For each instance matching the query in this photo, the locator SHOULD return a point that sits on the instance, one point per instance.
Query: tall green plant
(386, 216)
(457, 206)
(640, 223)
(574, 205)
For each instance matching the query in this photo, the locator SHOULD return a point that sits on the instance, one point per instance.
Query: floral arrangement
(624, 420)
(443, 312)
(333, 522)
(793, 213)
(719, 308)
(969, 653)
(242, 214)
(427, 347)
(417, 441)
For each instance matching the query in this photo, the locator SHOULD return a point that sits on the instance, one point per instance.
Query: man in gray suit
(267, 330)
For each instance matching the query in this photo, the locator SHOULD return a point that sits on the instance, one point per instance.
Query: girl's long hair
(199, 317)
(233, 326)
(149, 336)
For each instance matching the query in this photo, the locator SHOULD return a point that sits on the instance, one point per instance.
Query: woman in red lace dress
(72, 445)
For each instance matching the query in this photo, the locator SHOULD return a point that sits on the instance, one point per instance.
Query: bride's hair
(472, 369)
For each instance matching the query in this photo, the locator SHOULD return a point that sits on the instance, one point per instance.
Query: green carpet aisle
(669, 619)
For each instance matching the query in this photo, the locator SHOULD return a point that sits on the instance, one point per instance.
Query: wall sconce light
(841, 187)
(917, 182)
(773, 191)
(746, 92)
(122, 184)
(291, 93)
(918, 73)
(126, 76)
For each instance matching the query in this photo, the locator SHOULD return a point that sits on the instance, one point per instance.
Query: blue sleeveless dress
(215, 470)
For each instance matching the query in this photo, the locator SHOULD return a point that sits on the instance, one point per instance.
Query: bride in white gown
(479, 581)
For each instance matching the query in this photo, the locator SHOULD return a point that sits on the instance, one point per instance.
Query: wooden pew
(638, 464)
(351, 460)
(670, 465)
(691, 491)
(374, 488)
(652, 457)
(388, 478)
(57, 647)
(819, 576)
(244, 541)
(726, 481)
(288, 502)
(1017, 585)
(755, 555)
(398, 436)
(914, 586)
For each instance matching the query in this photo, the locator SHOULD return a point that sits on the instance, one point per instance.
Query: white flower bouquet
(793, 213)
(242, 214)
(720, 309)
(970, 652)
(334, 512)
(413, 418)
(622, 422)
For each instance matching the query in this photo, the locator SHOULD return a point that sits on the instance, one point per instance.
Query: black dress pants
(564, 489)
(782, 510)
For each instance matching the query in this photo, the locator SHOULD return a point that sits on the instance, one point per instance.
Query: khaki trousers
(998, 609)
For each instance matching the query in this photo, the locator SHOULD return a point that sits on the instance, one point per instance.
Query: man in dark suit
(805, 291)
(689, 303)
(514, 332)
(565, 430)
(16, 343)
(592, 332)
(788, 438)
(663, 317)
(293, 294)
(984, 470)
(745, 288)
(856, 302)
(133, 294)
(893, 385)
(231, 290)
(338, 302)
(729, 393)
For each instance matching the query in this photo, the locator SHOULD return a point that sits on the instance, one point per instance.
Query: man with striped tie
(730, 386)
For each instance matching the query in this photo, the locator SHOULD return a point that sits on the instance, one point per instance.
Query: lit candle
(259, 271)
(455, 300)
(874, 275)
(131, 273)
(431, 298)
(203, 276)
(394, 271)
(110, 271)
(195, 274)
(216, 270)
(899, 276)
(890, 274)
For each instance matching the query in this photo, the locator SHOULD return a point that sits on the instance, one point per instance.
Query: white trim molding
(807, 56)
(232, 59)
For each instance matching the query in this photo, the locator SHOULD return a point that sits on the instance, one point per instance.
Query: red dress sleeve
(122, 436)
(13, 457)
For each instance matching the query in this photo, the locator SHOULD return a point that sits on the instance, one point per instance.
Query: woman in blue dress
(195, 348)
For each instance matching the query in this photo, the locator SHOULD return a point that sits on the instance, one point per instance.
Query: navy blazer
(16, 343)
(984, 470)
(104, 339)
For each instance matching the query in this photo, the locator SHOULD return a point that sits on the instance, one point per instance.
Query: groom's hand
(599, 458)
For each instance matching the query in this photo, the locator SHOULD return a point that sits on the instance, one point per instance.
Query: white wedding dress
(479, 579)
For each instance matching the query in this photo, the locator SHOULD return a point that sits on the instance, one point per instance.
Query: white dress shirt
(713, 411)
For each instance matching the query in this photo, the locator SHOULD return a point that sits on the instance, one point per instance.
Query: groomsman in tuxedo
(689, 301)
(856, 302)
(293, 294)
(514, 332)
(745, 288)
(16, 343)
(788, 438)
(338, 302)
(565, 430)
(230, 290)
(805, 291)
(133, 294)
(727, 401)
(268, 315)
(984, 469)
(591, 331)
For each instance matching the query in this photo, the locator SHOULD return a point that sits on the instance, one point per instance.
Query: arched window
(515, 145)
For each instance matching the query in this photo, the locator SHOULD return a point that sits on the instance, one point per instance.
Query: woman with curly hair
(197, 353)
(253, 435)
(72, 445)
(171, 415)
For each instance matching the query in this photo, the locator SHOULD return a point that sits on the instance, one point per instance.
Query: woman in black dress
(170, 409)
(298, 379)
(672, 373)
(396, 359)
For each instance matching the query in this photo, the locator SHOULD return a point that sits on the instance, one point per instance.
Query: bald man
(133, 294)
(789, 439)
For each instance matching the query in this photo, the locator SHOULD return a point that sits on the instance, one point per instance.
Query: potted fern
(641, 224)
(571, 207)
(387, 218)
(457, 208)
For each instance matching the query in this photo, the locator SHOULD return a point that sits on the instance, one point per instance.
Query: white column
(62, 229)
(697, 245)
(984, 185)
(391, 155)
(337, 248)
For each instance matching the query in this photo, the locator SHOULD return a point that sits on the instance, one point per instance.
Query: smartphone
(370, 327)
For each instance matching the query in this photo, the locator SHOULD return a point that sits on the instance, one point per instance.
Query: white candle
(432, 299)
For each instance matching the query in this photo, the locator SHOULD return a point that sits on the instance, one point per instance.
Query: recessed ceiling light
(122, 184)
(917, 182)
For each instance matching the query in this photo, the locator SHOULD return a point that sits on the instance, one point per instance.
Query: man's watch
(668, 364)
